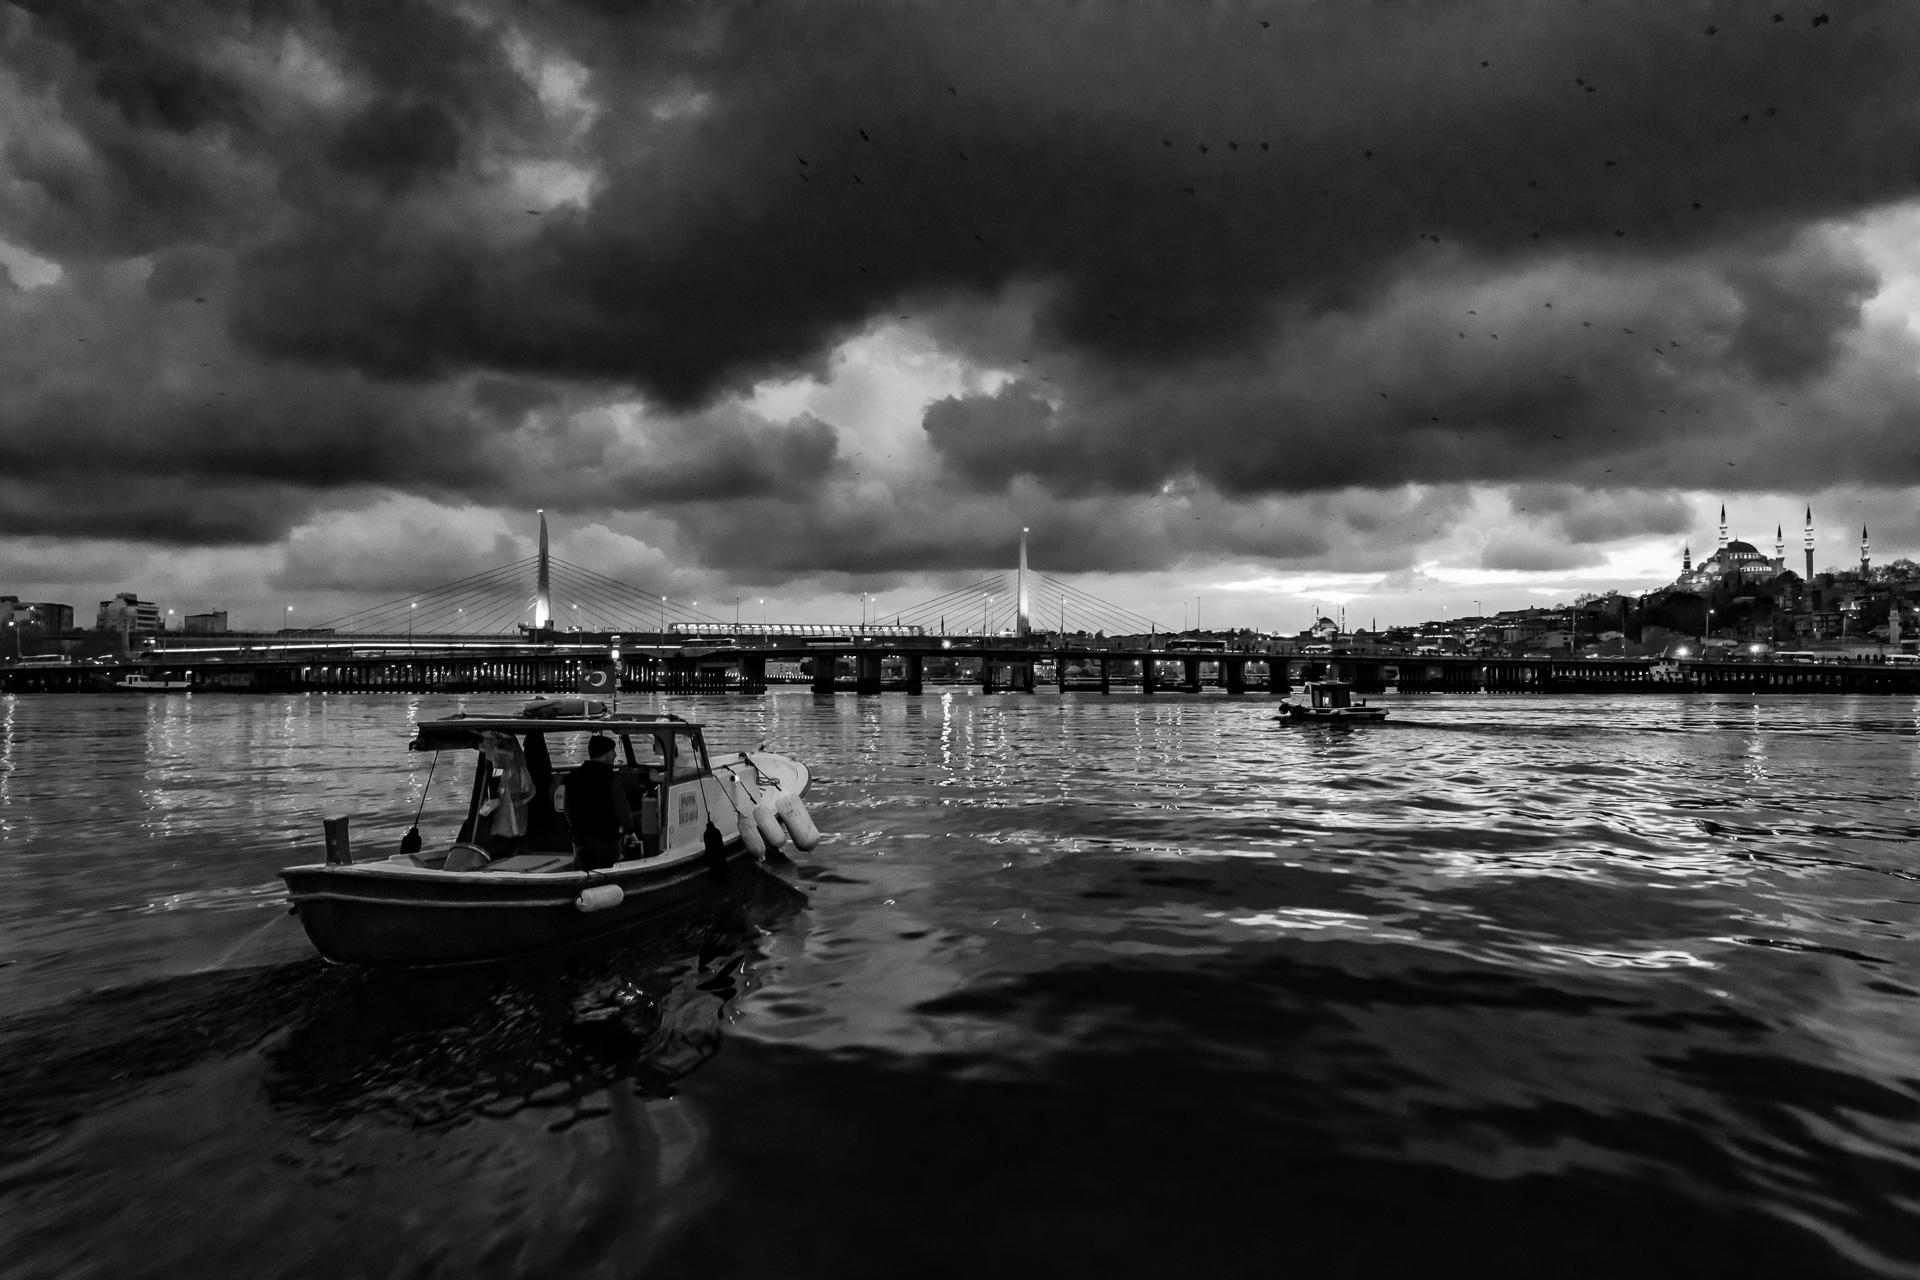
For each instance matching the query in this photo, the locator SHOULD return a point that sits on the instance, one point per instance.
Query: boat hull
(1333, 714)
(376, 917)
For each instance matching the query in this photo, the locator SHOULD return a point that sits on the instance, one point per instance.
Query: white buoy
(798, 821)
(767, 818)
(599, 897)
(750, 835)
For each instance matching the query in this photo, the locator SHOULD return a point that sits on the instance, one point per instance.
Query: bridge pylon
(543, 582)
(1022, 620)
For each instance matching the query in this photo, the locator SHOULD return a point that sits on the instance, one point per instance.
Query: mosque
(1742, 562)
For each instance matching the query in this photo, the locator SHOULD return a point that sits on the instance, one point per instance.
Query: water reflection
(440, 1049)
(420, 1048)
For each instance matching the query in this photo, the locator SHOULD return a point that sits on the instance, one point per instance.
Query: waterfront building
(42, 615)
(206, 624)
(127, 614)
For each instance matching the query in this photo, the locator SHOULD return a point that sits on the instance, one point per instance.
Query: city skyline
(1331, 602)
(1278, 307)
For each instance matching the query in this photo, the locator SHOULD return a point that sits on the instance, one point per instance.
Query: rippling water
(1102, 986)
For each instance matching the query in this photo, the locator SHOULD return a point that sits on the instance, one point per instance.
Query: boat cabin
(517, 807)
(1331, 693)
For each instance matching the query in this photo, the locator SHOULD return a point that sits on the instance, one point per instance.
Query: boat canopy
(463, 732)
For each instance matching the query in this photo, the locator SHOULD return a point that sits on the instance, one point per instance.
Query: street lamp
(410, 609)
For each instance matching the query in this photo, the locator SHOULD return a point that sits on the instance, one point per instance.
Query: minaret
(1686, 558)
(542, 587)
(1809, 544)
(1865, 546)
(1779, 549)
(1723, 527)
(1021, 626)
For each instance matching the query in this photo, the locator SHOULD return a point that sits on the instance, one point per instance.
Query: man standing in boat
(597, 809)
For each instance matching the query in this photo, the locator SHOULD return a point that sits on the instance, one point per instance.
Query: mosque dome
(1737, 547)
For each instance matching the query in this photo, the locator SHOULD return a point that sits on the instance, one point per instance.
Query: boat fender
(750, 835)
(599, 897)
(799, 823)
(767, 818)
(713, 851)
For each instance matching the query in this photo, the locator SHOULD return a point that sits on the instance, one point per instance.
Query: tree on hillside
(1680, 611)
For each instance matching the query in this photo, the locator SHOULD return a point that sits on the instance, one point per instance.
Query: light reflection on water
(1657, 954)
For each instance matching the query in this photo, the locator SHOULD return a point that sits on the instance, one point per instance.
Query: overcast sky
(1402, 306)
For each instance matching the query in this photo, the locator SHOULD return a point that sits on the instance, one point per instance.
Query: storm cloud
(1163, 283)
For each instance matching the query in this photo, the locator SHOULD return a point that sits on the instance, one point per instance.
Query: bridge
(911, 664)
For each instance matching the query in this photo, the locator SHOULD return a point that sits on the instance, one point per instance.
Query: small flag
(599, 680)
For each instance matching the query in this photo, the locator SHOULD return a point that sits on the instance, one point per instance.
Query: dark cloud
(164, 510)
(1582, 515)
(395, 142)
(990, 439)
(1194, 268)
(1529, 551)
(718, 459)
(1796, 308)
(755, 228)
(1639, 375)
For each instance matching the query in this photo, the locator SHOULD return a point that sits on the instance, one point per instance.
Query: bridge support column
(1106, 674)
(866, 668)
(1190, 675)
(986, 672)
(1233, 674)
(1368, 678)
(824, 661)
(1147, 683)
(915, 671)
(753, 673)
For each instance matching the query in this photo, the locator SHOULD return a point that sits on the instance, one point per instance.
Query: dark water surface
(1085, 986)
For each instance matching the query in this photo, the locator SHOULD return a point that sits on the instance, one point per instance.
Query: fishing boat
(506, 882)
(152, 684)
(1331, 700)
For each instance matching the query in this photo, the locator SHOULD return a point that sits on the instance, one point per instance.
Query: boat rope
(760, 775)
(738, 782)
(431, 766)
(410, 842)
